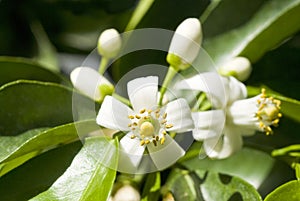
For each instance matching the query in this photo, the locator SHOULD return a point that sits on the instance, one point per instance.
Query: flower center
(268, 112)
(149, 126)
(147, 129)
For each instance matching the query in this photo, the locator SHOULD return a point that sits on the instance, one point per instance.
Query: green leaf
(289, 191)
(151, 190)
(272, 24)
(223, 187)
(245, 158)
(16, 68)
(37, 174)
(16, 150)
(91, 174)
(31, 104)
(182, 186)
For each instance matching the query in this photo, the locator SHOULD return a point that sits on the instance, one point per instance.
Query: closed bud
(185, 44)
(239, 67)
(127, 193)
(109, 43)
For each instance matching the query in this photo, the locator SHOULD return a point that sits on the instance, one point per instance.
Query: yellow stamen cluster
(149, 126)
(268, 112)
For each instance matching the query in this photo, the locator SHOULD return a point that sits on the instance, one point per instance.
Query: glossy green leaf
(289, 191)
(16, 68)
(31, 104)
(16, 150)
(91, 174)
(273, 23)
(223, 187)
(37, 174)
(246, 158)
(152, 187)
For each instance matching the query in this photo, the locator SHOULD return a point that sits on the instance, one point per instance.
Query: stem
(103, 65)
(200, 99)
(122, 99)
(170, 74)
(140, 11)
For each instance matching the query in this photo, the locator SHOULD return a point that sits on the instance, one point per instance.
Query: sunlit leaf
(16, 68)
(16, 150)
(254, 174)
(27, 105)
(90, 176)
(272, 24)
(289, 191)
(152, 187)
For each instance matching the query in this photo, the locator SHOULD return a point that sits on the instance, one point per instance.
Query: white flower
(233, 116)
(147, 124)
(109, 43)
(258, 113)
(91, 83)
(185, 44)
(239, 67)
(220, 139)
(127, 193)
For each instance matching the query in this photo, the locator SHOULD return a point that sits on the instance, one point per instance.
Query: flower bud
(109, 43)
(185, 44)
(239, 67)
(91, 83)
(127, 193)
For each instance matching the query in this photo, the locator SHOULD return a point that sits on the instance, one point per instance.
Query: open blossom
(91, 83)
(233, 116)
(147, 124)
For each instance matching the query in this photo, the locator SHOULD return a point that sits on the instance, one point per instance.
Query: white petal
(113, 114)
(88, 80)
(179, 115)
(130, 154)
(225, 146)
(234, 89)
(208, 124)
(241, 67)
(165, 155)
(211, 83)
(142, 92)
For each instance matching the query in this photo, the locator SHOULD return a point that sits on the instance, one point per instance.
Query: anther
(154, 142)
(164, 132)
(163, 121)
(142, 142)
(130, 116)
(132, 137)
(162, 140)
(169, 125)
(137, 116)
(142, 111)
(129, 125)
(147, 141)
(165, 116)
(149, 111)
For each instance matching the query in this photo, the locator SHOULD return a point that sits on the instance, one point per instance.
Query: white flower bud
(239, 67)
(185, 44)
(127, 193)
(91, 83)
(109, 43)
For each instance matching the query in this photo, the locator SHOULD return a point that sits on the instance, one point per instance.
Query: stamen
(137, 116)
(142, 111)
(142, 142)
(162, 140)
(147, 141)
(163, 121)
(154, 142)
(130, 116)
(133, 136)
(165, 116)
(129, 125)
(149, 111)
(164, 132)
(169, 125)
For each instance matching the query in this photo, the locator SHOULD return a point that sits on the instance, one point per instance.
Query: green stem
(122, 99)
(200, 99)
(103, 65)
(140, 11)
(170, 74)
